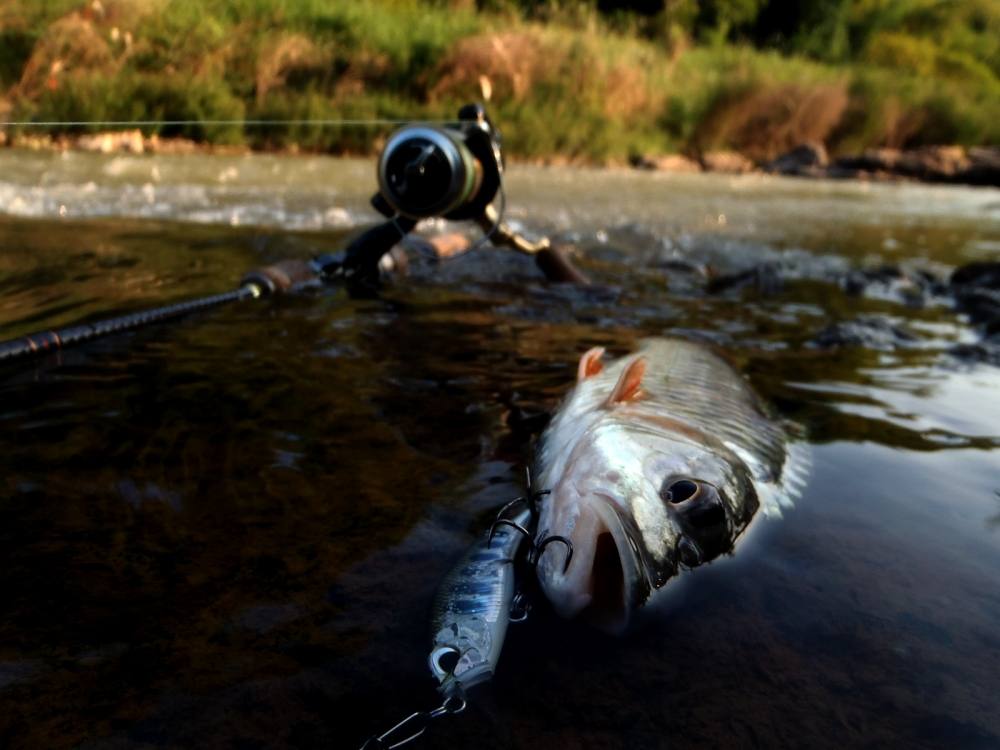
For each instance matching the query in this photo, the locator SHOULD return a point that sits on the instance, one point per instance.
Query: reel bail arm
(551, 260)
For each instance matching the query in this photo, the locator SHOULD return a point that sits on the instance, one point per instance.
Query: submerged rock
(976, 288)
(765, 278)
(979, 274)
(869, 331)
(986, 351)
(894, 283)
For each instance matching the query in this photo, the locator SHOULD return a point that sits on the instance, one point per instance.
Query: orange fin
(628, 386)
(590, 363)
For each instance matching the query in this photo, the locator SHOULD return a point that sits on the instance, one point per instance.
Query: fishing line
(376, 122)
(487, 236)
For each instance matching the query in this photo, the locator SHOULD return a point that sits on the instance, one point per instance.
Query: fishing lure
(473, 607)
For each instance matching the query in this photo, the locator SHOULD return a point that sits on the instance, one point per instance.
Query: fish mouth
(604, 581)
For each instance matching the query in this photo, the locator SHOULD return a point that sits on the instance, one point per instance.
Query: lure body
(472, 610)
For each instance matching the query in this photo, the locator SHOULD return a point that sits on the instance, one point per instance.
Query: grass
(570, 87)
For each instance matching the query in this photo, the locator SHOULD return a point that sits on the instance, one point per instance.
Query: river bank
(978, 165)
(566, 84)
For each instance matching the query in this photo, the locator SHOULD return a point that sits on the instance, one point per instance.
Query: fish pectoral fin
(628, 387)
(590, 363)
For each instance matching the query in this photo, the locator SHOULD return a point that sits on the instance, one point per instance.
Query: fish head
(638, 501)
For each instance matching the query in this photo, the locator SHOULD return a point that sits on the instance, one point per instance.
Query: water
(226, 531)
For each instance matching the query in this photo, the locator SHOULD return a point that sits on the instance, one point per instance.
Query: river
(226, 531)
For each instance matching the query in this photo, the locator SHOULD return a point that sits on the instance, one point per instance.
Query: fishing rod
(427, 169)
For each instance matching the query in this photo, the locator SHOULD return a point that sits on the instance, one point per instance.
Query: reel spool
(453, 172)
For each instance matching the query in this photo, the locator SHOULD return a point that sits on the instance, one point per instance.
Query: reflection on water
(227, 531)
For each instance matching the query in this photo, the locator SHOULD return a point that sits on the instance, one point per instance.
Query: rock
(893, 283)
(129, 141)
(171, 145)
(838, 172)
(765, 279)
(869, 331)
(983, 308)
(33, 142)
(976, 287)
(982, 274)
(807, 159)
(666, 163)
(871, 160)
(977, 166)
(933, 163)
(727, 162)
(438, 246)
(987, 351)
(983, 167)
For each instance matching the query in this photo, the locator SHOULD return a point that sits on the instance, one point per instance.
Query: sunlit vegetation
(569, 79)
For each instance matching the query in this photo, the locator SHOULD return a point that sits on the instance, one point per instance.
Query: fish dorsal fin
(590, 363)
(628, 386)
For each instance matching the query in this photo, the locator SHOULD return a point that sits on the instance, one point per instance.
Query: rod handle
(554, 262)
(282, 277)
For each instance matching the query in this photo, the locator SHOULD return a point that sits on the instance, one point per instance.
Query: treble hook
(530, 499)
(519, 607)
(537, 549)
(506, 522)
(533, 495)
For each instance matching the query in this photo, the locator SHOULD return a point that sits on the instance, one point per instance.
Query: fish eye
(680, 490)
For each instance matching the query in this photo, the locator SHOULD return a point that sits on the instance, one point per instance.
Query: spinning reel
(453, 172)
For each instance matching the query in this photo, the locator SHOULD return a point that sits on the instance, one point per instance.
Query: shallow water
(226, 531)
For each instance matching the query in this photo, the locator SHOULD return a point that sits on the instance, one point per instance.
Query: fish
(656, 463)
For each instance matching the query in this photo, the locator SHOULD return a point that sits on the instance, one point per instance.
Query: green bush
(586, 85)
(139, 96)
